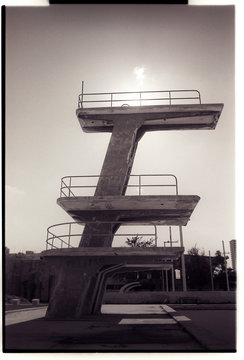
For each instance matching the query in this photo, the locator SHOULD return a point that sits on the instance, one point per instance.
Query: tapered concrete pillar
(114, 177)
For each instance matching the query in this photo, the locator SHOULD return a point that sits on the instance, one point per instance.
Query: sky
(49, 51)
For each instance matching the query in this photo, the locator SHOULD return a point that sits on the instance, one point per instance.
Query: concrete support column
(163, 283)
(167, 280)
(114, 177)
(73, 287)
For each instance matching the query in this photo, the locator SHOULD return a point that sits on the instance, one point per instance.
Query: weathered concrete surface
(161, 209)
(178, 297)
(19, 316)
(115, 175)
(80, 275)
(155, 117)
(202, 330)
(105, 332)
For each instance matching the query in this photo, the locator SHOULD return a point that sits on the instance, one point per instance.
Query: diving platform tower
(80, 273)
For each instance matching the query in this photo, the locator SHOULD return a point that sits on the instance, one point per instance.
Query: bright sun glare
(139, 72)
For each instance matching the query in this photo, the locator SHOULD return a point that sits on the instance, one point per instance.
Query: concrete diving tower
(128, 124)
(80, 273)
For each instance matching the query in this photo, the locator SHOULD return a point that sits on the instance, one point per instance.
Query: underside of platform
(159, 210)
(154, 117)
(113, 255)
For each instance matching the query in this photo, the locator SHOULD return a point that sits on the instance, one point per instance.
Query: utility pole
(183, 266)
(211, 272)
(226, 273)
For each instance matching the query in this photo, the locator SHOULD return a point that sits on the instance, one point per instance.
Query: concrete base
(80, 275)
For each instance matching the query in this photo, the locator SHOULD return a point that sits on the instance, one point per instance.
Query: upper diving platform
(158, 110)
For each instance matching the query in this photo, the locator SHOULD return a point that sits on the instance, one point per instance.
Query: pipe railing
(62, 234)
(71, 186)
(111, 99)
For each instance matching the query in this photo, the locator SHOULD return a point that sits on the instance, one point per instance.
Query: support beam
(114, 177)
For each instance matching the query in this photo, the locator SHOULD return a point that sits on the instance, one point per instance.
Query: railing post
(69, 234)
(69, 185)
(111, 99)
(140, 98)
(156, 236)
(176, 185)
(139, 185)
(170, 236)
(82, 92)
(169, 97)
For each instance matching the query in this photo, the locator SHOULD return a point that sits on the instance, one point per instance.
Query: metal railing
(137, 98)
(64, 235)
(72, 185)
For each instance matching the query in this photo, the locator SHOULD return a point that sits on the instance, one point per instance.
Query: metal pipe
(170, 236)
(69, 185)
(129, 186)
(81, 96)
(82, 92)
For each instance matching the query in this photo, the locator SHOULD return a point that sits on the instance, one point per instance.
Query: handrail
(68, 234)
(110, 96)
(70, 187)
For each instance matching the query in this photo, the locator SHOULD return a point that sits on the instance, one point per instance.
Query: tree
(136, 241)
(197, 270)
(218, 263)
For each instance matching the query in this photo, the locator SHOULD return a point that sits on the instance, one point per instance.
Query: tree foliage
(137, 241)
(198, 271)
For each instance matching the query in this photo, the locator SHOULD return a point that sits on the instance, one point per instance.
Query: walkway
(119, 328)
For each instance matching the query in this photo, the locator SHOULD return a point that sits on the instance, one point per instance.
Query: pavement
(124, 328)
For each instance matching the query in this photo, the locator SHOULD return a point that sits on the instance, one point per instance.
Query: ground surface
(122, 328)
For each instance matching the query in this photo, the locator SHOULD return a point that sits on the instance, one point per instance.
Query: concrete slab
(132, 309)
(146, 321)
(155, 117)
(100, 333)
(124, 255)
(161, 209)
(207, 331)
(19, 316)
(181, 318)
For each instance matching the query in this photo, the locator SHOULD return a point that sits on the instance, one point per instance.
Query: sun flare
(139, 72)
